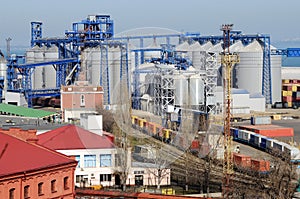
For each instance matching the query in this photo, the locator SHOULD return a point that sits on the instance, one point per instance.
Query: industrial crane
(228, 60)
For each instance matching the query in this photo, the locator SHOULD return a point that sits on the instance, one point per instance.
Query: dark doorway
(139, 181)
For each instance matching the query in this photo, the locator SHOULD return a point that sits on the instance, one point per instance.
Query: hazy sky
(278, 18)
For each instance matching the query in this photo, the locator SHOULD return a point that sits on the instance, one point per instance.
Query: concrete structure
(17, 99)
(29, 170)
(80, 98)
(92, 123)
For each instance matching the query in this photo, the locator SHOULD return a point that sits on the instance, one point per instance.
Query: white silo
(249, 70)
(207, 46)
(114, 73)
(38, 74)
(51, 54)
(86, 69)
(236, 47)
(197, 55)
(94, 54)
(196, 90)
(276, 65)
(181, 90)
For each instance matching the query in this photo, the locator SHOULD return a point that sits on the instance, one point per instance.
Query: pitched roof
(17, 156)
(23, 111)
(73, 137)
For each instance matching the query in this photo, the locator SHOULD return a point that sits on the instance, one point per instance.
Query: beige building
(80, 98)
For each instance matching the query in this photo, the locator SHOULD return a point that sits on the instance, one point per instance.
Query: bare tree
(160, 164)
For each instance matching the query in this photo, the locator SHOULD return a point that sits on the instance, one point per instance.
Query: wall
(93, 173)
(18, 182)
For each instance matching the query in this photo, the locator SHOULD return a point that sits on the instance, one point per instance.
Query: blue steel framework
(90, 32)
(234, 37)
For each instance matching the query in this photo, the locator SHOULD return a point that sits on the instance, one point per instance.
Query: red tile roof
(17, 156)
(73, 137)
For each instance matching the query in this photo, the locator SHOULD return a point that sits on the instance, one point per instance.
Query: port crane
(228, 60)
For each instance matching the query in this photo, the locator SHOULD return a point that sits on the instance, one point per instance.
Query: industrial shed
(7, 109)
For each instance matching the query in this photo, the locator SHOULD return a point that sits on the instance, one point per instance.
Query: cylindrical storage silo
(181, 89)
(86, 69)
(50, 73)
(249, 70)
(95, 72)
(38, 74)
(196, 90)
(198, 55)
(114, 74)
(276, 65)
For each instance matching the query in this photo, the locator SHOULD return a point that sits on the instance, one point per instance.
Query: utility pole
(228, 60)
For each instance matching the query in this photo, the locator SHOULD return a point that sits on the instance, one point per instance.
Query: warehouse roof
(23, 111)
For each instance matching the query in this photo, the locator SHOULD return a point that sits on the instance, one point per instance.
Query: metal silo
(86, 69)
(181, 89)
(114, 64)
(51, 54)
(207, 46)
(276, 65)
(196, 90)
(249, 70)
(94, 55)
(38, 75)
(197, 55)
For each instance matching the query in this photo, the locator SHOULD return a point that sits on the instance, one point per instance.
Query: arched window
(82, 100)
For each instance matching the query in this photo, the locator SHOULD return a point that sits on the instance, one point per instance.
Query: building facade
(80, 98)
(29, 170)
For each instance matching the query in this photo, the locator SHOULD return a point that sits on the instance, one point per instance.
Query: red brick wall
(18, 182)
(25, 135)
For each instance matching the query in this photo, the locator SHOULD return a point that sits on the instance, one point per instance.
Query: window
(53, 186)
(12, 193)
(77, 158)
(81, 178)
(82, 100)
(66, 183)
(90, 161)
(105, 160)
(105, 177)
(40, 188)
(26, 191)
(117, 160)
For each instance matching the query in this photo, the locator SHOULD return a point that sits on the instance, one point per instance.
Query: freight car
(269, 145)
(250, 165)
(168, 136)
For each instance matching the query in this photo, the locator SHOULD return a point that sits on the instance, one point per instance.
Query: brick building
(29, 170)
(80, 98)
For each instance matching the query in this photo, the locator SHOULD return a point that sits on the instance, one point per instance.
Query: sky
(279, 19)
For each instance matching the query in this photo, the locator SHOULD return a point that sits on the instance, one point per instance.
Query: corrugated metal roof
(23, 111)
